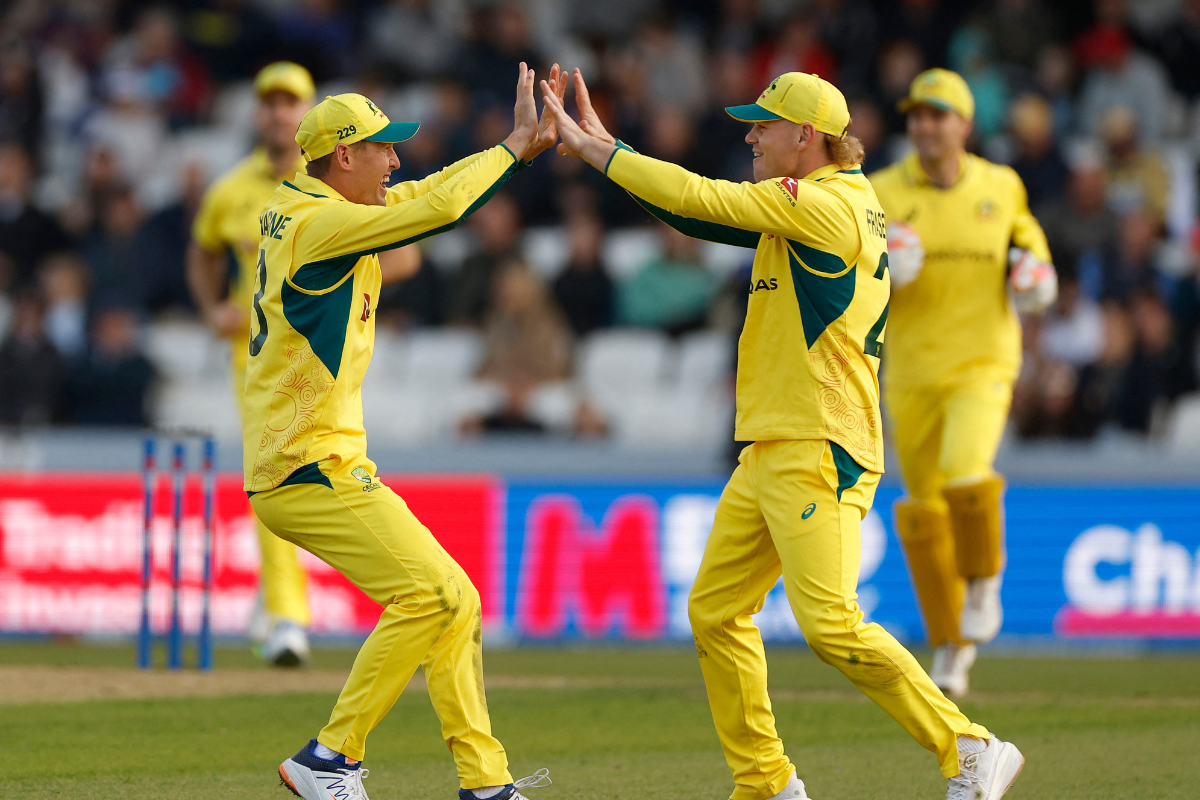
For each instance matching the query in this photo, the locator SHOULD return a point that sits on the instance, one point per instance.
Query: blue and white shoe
(512, 791)
(315, 778)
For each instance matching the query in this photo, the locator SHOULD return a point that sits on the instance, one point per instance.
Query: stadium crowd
(115, 115)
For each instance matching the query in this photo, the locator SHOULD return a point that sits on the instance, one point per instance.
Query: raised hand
(589, 121)
(547, 131)
(525, 118)
(575, 141)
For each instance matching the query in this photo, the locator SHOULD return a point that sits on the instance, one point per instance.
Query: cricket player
(965, 256)
(312, 330)
(808, 400)
(227, 224)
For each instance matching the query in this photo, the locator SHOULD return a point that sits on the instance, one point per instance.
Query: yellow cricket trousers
(282, 580)
(795, 507)
(951, 523)
(341, 513)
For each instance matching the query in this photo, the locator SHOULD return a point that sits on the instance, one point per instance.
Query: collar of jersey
(917, 176)
(828, 171)
(314, 187)
(263, 166)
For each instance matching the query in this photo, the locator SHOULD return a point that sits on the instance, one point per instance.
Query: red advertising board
(70, 553)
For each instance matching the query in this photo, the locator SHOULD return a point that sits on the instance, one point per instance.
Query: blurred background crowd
(114, 117)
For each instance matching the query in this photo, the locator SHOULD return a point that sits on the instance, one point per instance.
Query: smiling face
(365, 169)
(778, 147)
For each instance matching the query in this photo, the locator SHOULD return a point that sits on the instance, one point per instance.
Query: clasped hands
(586, 139)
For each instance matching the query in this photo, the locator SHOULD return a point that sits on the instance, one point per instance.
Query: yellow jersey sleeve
(344, 230)
(801, 210)
(206, 229)
(410, 189)
(1027, 232)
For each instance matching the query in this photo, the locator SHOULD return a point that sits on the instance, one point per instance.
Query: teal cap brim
(752, 112)
(395, 132)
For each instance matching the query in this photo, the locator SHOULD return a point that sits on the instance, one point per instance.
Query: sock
(484, 792)
(971, 744)
(321, 751)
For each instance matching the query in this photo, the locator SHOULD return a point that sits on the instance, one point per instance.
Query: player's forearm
(204, 277)
(410, 189)
(675, 190)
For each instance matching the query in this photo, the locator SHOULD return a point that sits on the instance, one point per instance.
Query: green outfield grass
(625, 723)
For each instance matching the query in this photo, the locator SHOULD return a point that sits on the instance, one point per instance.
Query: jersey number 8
(256, 343)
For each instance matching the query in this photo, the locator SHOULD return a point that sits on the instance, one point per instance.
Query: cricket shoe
(512, 791)
(287, 646)
(987, 774)
(315, 778)
(981, 612)
(793, 791)
(951, 665)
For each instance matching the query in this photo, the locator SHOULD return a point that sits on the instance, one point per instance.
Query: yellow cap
(285, 76)
(346, 119)
(799, 98)
(942, 89)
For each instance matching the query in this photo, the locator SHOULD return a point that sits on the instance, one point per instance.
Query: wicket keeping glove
(1033, 282)
(906, 254)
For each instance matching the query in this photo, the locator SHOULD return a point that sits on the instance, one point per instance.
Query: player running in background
(227, 223)
(965, 256)
(808, 400)
(305, 458)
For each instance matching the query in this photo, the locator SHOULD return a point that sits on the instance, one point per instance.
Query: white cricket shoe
(315, 778)
(793, 791)
(981, 613)
(287, 646)
(951, 665)
(538, 780)
(986, 775)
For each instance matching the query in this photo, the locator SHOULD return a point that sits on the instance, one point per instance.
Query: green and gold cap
(799, 98)
(346, 119)
(285, 76)
(942, 89)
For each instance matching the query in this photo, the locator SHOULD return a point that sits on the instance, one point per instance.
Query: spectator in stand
(735, 27)
(970, 55)
(1179, 47)
(156, 71)
(1146, 382)
(31, 370)
(672, 293)
(414, 38)
(867, 124)
(897, 64)
(526, 343)
(65, 289)
(233, 38)
(27, 234)
(1117, 74)
(927, 23)
(849, 29)
(164, 238)
(583, 290)
(111, 384)
(673, 66)
(1019, 29)
(1081, 227)
(319, 35)
(1054, 77)
(1137, 178)
(115, 254)
(796, 48)
(671, 135)
(500, 40)
(724, 152)
(497, 228)
(1130, 265)
(21, 101)
(1042, 169)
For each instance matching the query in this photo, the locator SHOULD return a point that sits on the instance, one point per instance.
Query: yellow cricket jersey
(312, 330)
(956, 315)
(228, 220)
(809, 353)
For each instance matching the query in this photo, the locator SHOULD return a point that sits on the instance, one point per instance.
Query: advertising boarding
(586, 560)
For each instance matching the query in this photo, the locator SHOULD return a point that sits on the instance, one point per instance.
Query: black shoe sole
(288, 659)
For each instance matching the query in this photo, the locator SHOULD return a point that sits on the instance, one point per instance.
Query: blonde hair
(846, 152)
